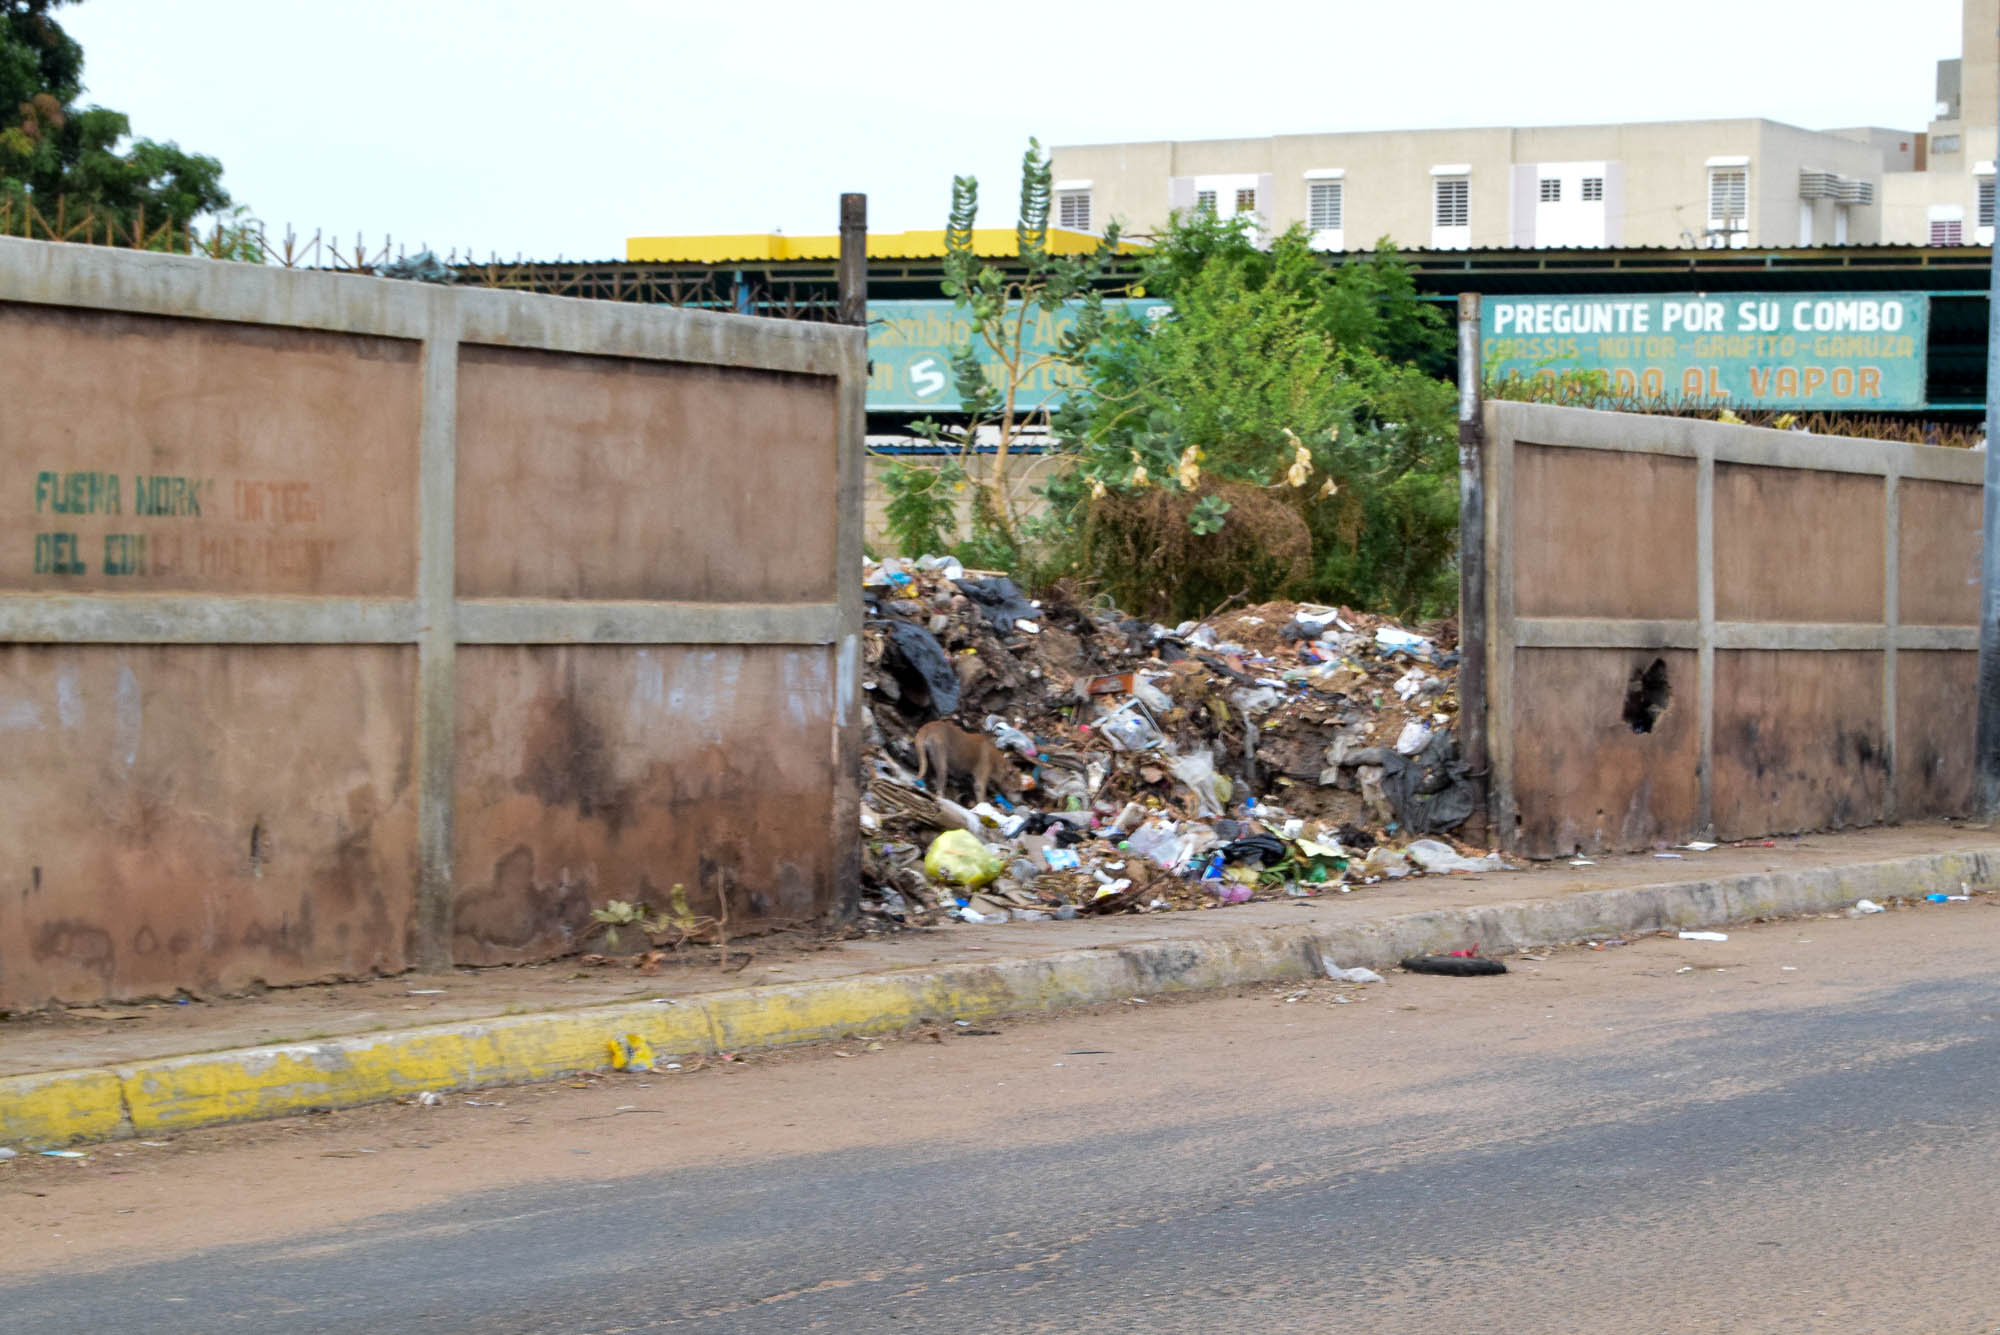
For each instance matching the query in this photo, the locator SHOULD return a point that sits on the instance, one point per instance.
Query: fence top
(195, 287)
(1728, 442)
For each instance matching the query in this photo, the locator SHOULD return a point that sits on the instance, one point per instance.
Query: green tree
(52, 149)
(996, 370)
(1281, 432)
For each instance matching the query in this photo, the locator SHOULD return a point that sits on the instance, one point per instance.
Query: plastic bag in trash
(1392, 640)
(947, 566)
(1431, 790)
(1255, 700)
(1416, 735)
(1386, 861)
(1354, 975)
(1151, 696)
(1263, 849)
(921, 667)
(1158, 840)
(1128, 728)
(1010, 738)
(999, 601)
(956, 857)
(1434, 855)
(1197, 771)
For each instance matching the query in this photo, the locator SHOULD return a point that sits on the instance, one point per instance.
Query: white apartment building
(1720, 183)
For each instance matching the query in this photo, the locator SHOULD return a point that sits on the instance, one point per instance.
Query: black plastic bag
(1000, 602)
(921, 666)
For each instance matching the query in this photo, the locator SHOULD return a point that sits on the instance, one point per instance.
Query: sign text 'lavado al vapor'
(1752, 349)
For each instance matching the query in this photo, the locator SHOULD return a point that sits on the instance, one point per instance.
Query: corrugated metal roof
(743, 248)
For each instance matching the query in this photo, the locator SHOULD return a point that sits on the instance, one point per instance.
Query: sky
(559, 129)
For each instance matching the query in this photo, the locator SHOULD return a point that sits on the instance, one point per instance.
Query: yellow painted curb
(53, 1108)
(242, 1085)
(178, 1093)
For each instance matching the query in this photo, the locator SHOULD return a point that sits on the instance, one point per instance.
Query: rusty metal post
(1472, 636)
(854, 259)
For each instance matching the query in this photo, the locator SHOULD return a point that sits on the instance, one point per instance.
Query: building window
(1729, 194)
(1246, 199)
(1552, 190)
(1323, 205)
(1453, 199)
(1073, 210)
(1204, 201)
(1946, 143)
(1947, 224)
(1593, 189)
(1728, 206)
(1985, 201)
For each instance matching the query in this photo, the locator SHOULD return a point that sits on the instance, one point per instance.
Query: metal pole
(1472, 560)
(854, 259)
(1986, 762)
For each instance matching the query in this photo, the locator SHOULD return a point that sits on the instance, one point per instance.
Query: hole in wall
(1646, 696)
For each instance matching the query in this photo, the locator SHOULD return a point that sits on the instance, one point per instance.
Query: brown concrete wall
(1795, 544)
(152, 454)
(1026, 475)
(349, 624)
(1813, 603)
(1589, 781)
(1938, 570)
(1633, 513)
(1799, 742)
(1937, 695)
(203, 817)
(593, 773)
(608, 477)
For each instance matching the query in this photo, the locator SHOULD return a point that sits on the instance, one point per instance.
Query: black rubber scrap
(1453, 966)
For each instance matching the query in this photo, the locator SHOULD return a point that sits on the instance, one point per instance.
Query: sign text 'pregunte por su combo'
(1754, 350)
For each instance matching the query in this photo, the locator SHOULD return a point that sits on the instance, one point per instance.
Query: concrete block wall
(1704, 630)
(348, 624)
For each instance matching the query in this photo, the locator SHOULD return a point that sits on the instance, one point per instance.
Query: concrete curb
(179, 1093)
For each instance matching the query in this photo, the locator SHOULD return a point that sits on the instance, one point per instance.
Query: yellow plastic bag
(956, 857)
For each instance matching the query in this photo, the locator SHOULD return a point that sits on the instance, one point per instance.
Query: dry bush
(1131, 539)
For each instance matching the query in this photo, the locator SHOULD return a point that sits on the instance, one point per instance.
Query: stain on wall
(1799, 742)
(590, 773)
(1937, 697)
(206, 817)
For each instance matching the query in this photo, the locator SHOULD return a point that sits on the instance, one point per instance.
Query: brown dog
(945, 749)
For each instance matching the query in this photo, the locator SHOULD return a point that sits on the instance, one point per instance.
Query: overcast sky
(562, 128)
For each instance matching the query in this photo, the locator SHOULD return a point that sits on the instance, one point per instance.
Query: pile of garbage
(1280, 751)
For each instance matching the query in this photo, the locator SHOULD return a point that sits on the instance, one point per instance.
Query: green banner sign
(1820, 350)
(910, 344)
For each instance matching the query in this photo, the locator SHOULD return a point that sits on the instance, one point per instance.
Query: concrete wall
(348, 624)
(1025, 473)
(1656, 189)
(1813, 603)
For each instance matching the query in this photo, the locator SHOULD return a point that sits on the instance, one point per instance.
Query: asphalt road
(1793, 1131)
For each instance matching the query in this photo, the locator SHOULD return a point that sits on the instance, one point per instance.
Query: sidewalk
(109, 1071)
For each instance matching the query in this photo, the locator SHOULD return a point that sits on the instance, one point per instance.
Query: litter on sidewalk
(1453, 966)
(1283, 751)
